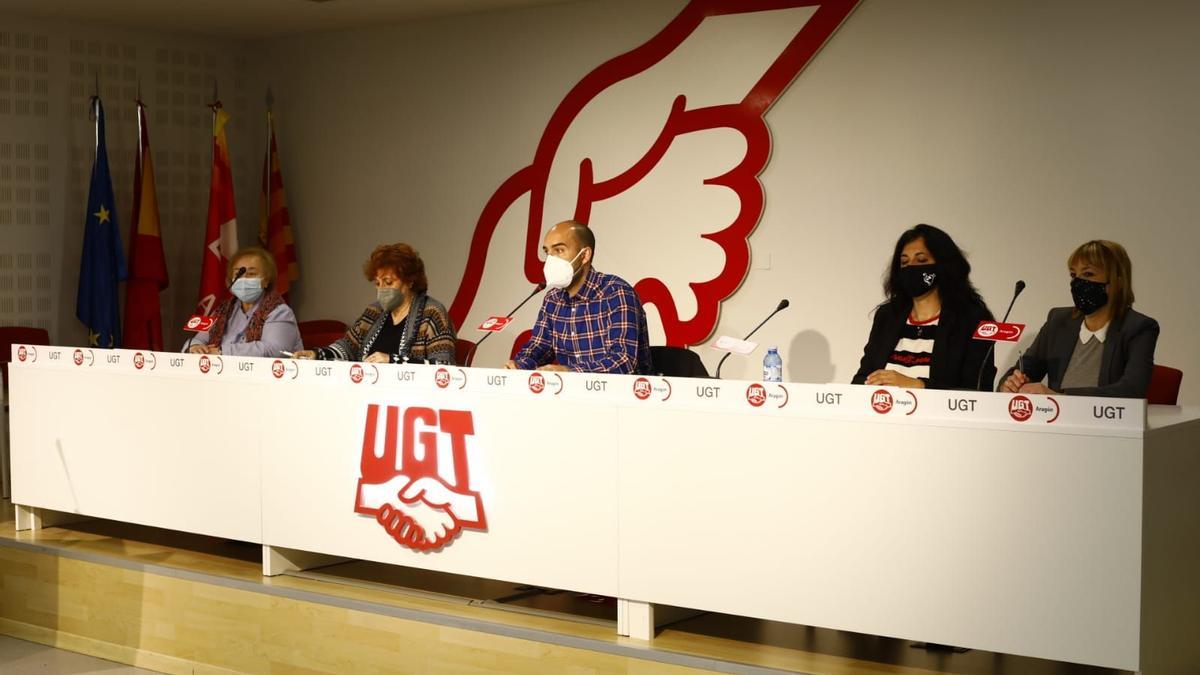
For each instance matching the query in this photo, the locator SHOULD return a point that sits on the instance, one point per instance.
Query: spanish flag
(220, 236)
(147, 264)
(274, 225)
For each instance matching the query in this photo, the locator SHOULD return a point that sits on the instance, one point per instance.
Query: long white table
(1056, 527)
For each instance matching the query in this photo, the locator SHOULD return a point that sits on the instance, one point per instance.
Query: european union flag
(103, 262)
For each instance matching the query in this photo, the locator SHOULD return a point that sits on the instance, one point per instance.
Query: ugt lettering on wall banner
(421, 504)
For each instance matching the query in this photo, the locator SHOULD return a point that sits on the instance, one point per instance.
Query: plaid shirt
(600, 330)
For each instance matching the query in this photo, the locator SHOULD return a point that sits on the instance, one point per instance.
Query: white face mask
(560, 273)
(247, 290)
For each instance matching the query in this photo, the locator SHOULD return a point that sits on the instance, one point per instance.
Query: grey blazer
(1125, 365)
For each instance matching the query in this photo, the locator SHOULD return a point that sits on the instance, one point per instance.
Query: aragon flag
(102, 264)
(147, 263)
(220, 236)
(274, 224)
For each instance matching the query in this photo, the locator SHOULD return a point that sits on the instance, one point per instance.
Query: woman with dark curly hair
(922, 335)
(403, 324)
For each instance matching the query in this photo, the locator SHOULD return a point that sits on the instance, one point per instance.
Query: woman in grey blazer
(1099, 347)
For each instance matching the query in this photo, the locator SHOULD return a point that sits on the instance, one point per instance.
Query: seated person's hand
(198, 349)
(890, 378)
(304, 354)
(1013, 383)
(554, 368)
(510, 365)
(377, 357)
(1036, 388)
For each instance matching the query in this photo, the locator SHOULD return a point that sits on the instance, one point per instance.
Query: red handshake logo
(420, 504)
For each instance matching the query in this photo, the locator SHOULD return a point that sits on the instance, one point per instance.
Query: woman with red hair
(403, 324)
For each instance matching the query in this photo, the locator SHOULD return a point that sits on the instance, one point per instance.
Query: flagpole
(270, 130)
(270, 134)
(214, 106)
(138, 104)
(264, 227)
(96, 111)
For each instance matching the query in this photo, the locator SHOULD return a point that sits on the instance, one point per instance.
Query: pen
(287, 354)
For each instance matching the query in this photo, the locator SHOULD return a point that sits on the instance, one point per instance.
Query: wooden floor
(183, 603)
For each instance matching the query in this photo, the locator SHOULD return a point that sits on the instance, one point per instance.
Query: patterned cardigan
(428, 335)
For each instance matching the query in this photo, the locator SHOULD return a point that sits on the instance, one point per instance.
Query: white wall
(47, 146)
(1021, 127)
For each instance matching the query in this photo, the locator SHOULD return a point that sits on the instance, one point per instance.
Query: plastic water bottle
(773, 366)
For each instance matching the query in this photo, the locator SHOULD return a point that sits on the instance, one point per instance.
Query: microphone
(537, 289)
(197, 323)
(241, 271)
(783, 304)
(1016, 291)
(992, 347)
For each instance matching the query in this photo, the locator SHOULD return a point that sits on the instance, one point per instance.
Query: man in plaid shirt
(590, 322)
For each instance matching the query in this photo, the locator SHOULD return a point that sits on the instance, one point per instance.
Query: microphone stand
(783, 304)
(471, 354)
(992, 347)
(241, 271)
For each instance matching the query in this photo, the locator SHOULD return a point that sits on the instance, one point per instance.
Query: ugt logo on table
(642, 388)
(881, 401)
(1020, 408)
(420, 502)
(537, 382)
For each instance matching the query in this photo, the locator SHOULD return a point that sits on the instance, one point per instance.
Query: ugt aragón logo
(571, 175)
(420, 503)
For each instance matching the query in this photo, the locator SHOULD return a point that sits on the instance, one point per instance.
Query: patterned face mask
(1089, 296)
(917, 280)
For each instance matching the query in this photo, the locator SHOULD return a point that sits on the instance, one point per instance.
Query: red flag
(220, 238)
(147, 264)
(274, 225)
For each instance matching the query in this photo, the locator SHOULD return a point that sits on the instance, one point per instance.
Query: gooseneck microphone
(471, 354)
(1016, 291)
(783, 304)
(241, 272)
(992, 347)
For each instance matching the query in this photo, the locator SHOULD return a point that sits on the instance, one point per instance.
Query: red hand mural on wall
(745, 116)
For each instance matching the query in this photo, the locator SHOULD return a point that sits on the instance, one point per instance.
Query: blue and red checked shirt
(600, 330)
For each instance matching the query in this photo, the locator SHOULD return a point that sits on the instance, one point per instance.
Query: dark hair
(401, 259)
(583, 235)
(954, 272)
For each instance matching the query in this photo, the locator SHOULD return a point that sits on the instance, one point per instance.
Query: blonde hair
(264, 258)
(1110, 257)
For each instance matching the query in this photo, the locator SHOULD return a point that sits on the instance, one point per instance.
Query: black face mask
(917, 280)
(1089, 296)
